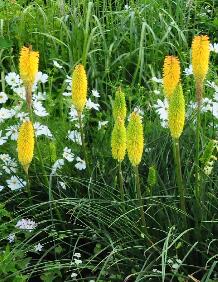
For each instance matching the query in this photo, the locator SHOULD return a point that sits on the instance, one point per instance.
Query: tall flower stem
(139, 196)
(179, 174)
(28, 188)
(199, 93)
(83, 143)
(121, 182)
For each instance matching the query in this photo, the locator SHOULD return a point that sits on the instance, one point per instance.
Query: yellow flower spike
(171, 74)
(119, 106)
(79, 88)
(200, 56)
(118, 140)
(28, 66)
(25, 144)
(176, 112)
(135, 139)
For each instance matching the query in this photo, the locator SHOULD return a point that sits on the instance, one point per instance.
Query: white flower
(67, 94)
(20, 91)
(95, 93)
(22, 116)
(214, 47)
(10, 165)
(3, 97)
(215, 109)
(56, 64)
(73, 114)
(73, 275)
(11, 237)
(139, 111)
(1, 188)
(127, 7)
(80, 164)
(39, 110)
(161, 109)
(57, 165)
(5, 158)
(212, 85)
(12, 132)
(77, 255)
(92, 105)
(26, 224)
(62, 184)
(157, 92)
(68, 155)
(39, 96)
(3, 139)
(41, 129)
(207, 105)
(41, 77)
(77, 261)
(15, 183)
(12, 79)
(6, 114)
(75, 136)
(158, 80)
(38, 247)
(102, 123)
(188, 71)
(69, 82)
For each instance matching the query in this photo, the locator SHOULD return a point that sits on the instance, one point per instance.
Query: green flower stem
(121, 182)
(28, 188)
(179, 174)
(139, 195)
(83, 143)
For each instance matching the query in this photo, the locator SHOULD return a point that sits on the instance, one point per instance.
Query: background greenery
(119, 47)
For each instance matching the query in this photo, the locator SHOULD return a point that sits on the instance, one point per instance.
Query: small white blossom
(39, 110)
(40, 96)
(12, 79)
(74, 114)
(12, 132)
(75, 136)
(81, 164)
(20, 91)
(214, 47)
(157, 92)
(91, 105)
(67, 94)
(1, 188)
(26, 224)
(57, 165)
(68, 155)
(38, 247)
(41, 77)
(41, 129)
(95, 93)
(77, 255)
(188, 71)
(139, 111)
(102, 123)
(22, 116)
(3, 98)
(6, 114)
(73, 275)
(57, 65)
(158, 80)
(3, 139)
(77, 261)
(11, 237)
(15, 183)
(62, 184)
(69, 82)
(127, 7)
(161, 109)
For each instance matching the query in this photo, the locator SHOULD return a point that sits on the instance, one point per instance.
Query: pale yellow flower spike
(171, 74)
(200, 57)
(25, 144)
(79, 88)
(176, 112)
(118, 140)
(135, 139)
(28, 66)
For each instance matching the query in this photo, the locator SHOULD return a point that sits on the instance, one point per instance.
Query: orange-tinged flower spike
(135, 139)
(79, 88)
(25, 144)
(176, 112)
(200, 57)
(28, 66)
(171, 74)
